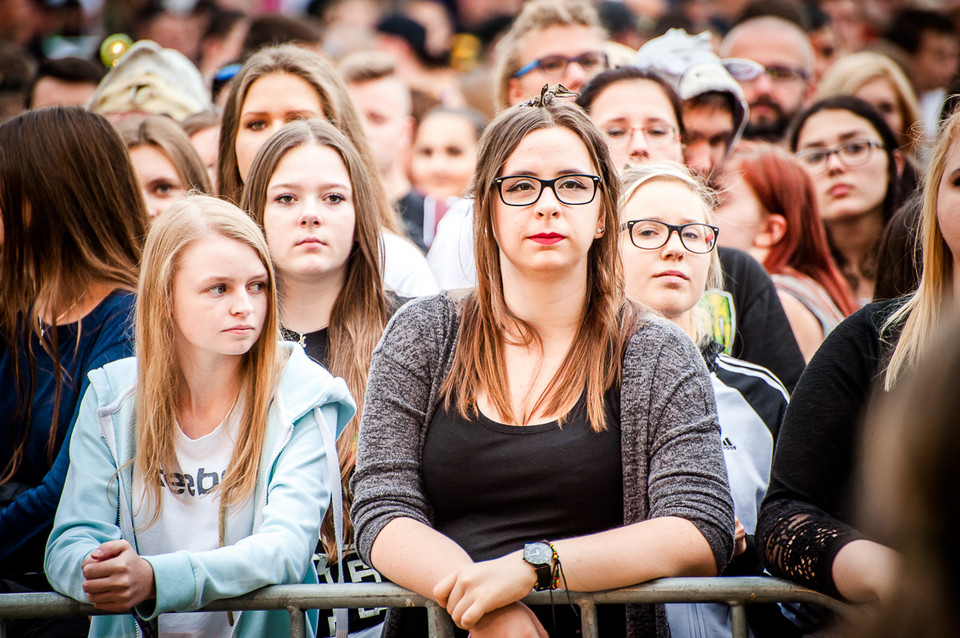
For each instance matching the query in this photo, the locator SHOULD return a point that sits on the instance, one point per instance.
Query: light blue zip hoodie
(291, 496)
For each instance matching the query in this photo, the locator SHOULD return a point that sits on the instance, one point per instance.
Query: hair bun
(549, 96)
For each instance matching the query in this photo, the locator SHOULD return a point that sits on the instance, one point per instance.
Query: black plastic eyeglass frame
(670, 230)
(544, 183)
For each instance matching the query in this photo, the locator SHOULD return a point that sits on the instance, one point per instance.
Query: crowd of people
(478, 299)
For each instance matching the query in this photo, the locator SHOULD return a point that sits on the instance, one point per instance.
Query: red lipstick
(546, 239)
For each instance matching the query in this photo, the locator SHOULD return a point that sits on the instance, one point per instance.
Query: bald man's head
(776, 95)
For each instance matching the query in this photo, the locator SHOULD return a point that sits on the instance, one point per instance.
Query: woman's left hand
(478, 588)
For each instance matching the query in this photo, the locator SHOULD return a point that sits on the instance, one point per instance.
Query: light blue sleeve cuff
(176, 583)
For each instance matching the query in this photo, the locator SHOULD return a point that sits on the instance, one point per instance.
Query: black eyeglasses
(852, 153)
(523, 190)
(554, 66)
(651, 234)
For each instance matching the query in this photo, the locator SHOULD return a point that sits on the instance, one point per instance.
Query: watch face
(537, 553)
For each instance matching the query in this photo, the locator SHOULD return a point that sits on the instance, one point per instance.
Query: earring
(600, 230)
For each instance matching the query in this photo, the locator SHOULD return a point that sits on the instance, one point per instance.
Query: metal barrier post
(298, 627)
(439, 623)
(739, 620)
(588, 618)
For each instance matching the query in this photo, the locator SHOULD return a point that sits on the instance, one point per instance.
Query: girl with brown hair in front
(540, 407)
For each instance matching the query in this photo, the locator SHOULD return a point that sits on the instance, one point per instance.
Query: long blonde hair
(634, 178)
(159, 376)
(922, 313)
(337, 106)
(359, 313)
(593, 362)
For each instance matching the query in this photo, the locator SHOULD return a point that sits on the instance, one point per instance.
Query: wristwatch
(540, 555)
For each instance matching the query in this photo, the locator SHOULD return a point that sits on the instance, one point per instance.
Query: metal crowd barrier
(736, 592)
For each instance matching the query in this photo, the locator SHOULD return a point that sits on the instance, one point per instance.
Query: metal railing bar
(294, 598)
(745, 589)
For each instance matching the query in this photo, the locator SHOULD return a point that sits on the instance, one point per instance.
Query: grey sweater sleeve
(667, 390)
(405, 376)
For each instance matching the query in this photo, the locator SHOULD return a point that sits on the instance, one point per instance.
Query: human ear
(514, 92)
(773, 229)
(898, 161)
(601, 225)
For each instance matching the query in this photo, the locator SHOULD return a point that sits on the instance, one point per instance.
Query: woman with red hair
(769, 209)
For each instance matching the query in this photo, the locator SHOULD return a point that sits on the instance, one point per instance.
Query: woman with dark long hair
(859, 177)
(806, 529)
(73, 225)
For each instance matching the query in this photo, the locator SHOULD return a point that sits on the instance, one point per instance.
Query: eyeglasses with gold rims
(523, 190)
(851, 154)
(651, 234)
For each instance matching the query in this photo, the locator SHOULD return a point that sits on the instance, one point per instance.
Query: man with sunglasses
(773, 60)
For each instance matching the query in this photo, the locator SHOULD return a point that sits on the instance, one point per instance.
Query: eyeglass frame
(751, 70)
(535, 64)
(544, 183)
(829, 151)
(671, 228)
(674, 137)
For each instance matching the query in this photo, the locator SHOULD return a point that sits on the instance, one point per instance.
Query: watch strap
(544, 577)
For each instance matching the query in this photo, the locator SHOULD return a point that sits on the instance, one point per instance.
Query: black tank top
(494, 487)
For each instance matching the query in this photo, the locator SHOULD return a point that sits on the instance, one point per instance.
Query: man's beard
(767, 130)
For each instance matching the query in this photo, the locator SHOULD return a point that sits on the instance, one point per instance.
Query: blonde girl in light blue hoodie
(200, 469)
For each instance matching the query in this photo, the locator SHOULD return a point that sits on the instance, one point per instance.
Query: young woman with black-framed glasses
(540, 419)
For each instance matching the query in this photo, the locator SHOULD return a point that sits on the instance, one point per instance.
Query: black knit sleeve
(805, 517)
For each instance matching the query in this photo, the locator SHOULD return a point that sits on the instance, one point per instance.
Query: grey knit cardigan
(670, 440)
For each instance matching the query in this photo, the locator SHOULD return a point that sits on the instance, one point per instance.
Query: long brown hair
(359, 314)
(159, 375)
(72, 215)
(337, 106)
(593, 362)
(783, 188)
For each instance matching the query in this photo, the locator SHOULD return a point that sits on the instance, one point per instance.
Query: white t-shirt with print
(189, 516)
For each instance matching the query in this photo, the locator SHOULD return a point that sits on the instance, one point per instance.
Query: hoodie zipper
(120, 493)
